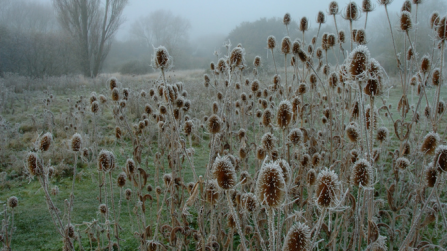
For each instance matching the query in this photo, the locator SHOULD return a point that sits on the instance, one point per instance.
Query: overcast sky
(220, 17)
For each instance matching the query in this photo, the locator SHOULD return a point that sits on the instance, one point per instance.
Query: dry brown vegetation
(312, 156)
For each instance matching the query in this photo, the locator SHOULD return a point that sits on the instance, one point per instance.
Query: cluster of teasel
(310, 158)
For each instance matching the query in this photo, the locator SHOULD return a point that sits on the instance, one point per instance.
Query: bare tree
(161, 27)
(92, 25)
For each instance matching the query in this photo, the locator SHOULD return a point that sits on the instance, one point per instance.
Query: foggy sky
(220, 17)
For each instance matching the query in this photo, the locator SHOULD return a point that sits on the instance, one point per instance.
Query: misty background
(35, 42)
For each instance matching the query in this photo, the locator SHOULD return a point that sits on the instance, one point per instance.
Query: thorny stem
(236, 219)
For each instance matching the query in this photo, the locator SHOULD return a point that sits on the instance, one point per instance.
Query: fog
(212, 17)
(38, 42)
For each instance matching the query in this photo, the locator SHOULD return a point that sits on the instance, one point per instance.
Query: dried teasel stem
(236, 219)
(415, 224)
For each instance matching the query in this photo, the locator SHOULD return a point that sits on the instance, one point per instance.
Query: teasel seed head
(70, 231)
(382, 134)
(304, 24)
(434, 20)
(328, 188)
(430, 142)
(352, 12)
(121, 180)
(406, 23)
(406, 6)
(286, 20)
(45, 141)
(103, 209)
(106, 161)
(13, 201)
(237, 57)
(271, 42)
(214, 124)
(34, 164)
(212, 192)
(431, 174)
(189, 125)
(268, 141)
(285, 168)
(402, 163)
(128, 193)
(333, 8)
(295, 136)
(360, 37)
(267, 117)
(352, 132)
(359, 61)
(113, 82)
(161, 58)
(249, 202)
(425, 64)
(95, 107)
(260, 153)
(286, 45)
(270, 186)
(284, 114)
(321, 18)
(341, 36)
(224, 173)
(436, 77)
(440, 158)
(298, 238)
(257, 61)
(76, 142)
(441, 106)
(362, 173)
(311, 177)
(115, 94)
(367, 6)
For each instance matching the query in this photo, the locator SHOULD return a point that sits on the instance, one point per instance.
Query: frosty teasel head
(224, 172)
(361, 173)
(161, 58)
(328, 188)
(360, 37)
(249, 202)
(214, 124)
(431, 175)
(295, 136)
(211, 192)
(106, 161)
(429, 143)
(402, 163)
(304, 24)
(298, 238)
(76, 142)
(45, 142)
(13, 202)
(382, 134)
(440, 158)
(351, 12)
(121, 180)
(267, 117)
(284, 114)
(271, 42)
(358, 63)
(367, 6)
(286, 45)
(257, 61)
(321, 18)
(442, 28)
(222, 65)
(406, 23)
(268, 141)
(286, 19)
(406, 6)
(237, 57)
(270, 186)
(353, 133)
(286, 171)
(333, 8)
